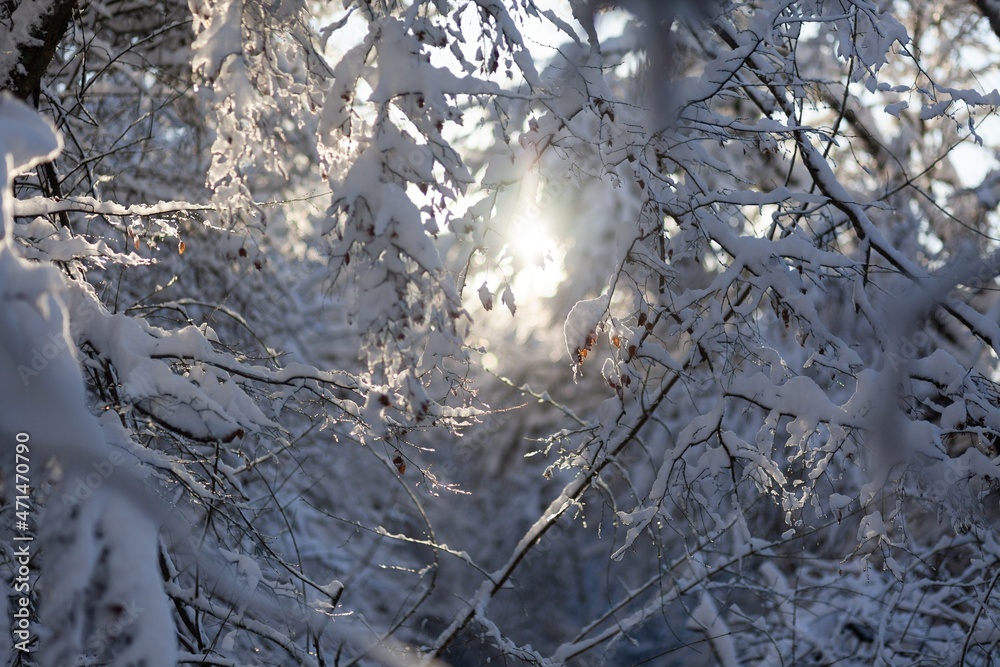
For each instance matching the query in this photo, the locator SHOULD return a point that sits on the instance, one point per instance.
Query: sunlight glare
(539, 259)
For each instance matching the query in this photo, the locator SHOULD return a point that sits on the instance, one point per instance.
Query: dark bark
(991, 10)
(35, 58)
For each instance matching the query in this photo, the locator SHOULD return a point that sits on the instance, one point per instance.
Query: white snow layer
(100, 543)
(582, 321)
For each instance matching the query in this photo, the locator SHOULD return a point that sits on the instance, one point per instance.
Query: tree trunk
(46, 25)
(991, 10)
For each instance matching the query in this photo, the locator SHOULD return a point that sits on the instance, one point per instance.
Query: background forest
(523, 332)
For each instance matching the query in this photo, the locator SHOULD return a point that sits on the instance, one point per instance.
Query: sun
(537, 258)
